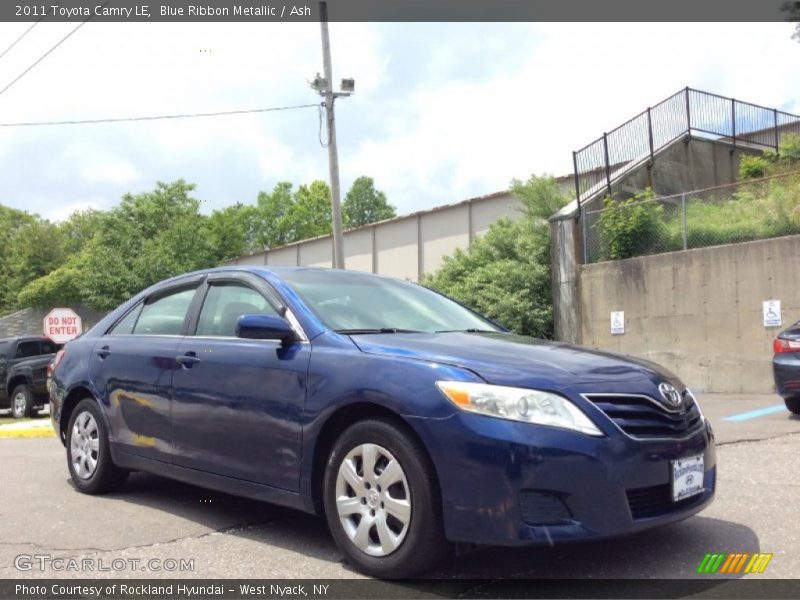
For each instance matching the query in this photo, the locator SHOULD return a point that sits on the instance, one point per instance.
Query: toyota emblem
(670, 395)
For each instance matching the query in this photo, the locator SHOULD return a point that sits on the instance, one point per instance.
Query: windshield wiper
(470, 330)
(378, 330)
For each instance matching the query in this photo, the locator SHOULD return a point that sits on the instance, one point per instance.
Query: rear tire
(88, 454)
(382, 501)
(793, 404)
(21, 402)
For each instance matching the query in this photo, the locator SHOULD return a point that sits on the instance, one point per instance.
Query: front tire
(793, 404)
(382, 502)
(21, 402)
(88, 454)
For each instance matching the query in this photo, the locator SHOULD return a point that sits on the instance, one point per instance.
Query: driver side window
(224, 304)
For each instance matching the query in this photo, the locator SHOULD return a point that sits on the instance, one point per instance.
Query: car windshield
(361, 303)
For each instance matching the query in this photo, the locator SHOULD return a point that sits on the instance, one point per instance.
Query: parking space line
(752, 414)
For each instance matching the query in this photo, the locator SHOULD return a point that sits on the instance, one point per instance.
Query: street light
(322, 85)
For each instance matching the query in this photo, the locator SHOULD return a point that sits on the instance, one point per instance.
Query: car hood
(515, 360)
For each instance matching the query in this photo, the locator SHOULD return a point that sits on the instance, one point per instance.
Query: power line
(14, 43)
(46, 54)
(159, 117)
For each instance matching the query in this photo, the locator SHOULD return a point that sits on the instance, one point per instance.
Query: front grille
(643, 417)
(656, 500)
(542, 508)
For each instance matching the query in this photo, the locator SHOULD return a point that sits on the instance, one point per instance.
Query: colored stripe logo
(742, 562)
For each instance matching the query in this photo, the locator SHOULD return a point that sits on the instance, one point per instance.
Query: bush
(789, 148)
(633, 227)
(505, 274)
(753, 167)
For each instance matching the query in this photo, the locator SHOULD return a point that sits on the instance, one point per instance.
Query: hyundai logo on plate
(670, 395)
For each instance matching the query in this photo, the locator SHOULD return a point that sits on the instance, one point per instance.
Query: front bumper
(496, 474)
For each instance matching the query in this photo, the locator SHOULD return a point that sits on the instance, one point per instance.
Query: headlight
(518, 404)
(689, 393)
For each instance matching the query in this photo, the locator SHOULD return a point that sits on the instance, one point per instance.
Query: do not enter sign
(62, 325)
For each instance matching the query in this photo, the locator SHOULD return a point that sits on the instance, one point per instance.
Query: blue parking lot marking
(756, 413)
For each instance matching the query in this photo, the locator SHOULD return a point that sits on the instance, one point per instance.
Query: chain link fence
(745, 211)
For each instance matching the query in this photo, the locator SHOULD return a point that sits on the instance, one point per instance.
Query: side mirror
(264, 327)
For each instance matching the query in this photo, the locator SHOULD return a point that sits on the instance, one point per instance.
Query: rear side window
(165, 316)
(27, 349)
(49, 347)
(223, 306)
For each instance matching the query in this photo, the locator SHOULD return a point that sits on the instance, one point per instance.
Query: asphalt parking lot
(226, 537)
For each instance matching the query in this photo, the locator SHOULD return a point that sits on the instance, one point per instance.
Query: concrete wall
(697, 312)
(684, 166)
(28, 321)
(406, 247)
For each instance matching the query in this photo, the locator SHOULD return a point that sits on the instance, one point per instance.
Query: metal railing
(745, 211)
(683, 114)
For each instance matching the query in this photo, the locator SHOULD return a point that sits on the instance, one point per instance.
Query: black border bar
(402, 10)
(713, 587)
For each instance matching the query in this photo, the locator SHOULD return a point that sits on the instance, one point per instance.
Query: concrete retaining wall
(697, 312)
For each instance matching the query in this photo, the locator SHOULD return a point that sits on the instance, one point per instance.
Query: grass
(754, 210)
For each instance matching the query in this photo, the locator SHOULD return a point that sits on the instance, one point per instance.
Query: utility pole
(333, 156)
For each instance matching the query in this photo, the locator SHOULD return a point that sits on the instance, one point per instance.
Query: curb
(28, 433)
(25, 430)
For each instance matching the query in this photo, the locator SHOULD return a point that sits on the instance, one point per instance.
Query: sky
(442, 112)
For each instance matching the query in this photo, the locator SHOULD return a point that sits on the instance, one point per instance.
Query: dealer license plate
(687, 477)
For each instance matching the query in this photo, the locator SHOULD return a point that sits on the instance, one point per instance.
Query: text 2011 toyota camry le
(406, 419)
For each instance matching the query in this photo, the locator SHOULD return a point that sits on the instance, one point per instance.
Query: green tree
(11, 221)
(148, 237)
(82, 225)
(363, 204)
(33, 251)
(505, 274)
(309, 215)
(272, 225)
(792, 10)
(233, 231)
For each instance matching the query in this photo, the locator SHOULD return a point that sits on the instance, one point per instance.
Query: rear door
(132, 368)
(237, 403)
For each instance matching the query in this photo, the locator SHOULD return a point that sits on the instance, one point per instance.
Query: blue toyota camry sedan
(409, 421)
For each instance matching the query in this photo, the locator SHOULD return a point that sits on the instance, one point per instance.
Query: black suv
(23, 373)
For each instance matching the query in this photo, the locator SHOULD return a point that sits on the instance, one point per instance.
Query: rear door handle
(103, 352)
(188, 359)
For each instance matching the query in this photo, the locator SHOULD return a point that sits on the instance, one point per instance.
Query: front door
(237, 403)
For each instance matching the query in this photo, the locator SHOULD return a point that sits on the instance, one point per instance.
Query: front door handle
(187, 360)
(103, 352)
